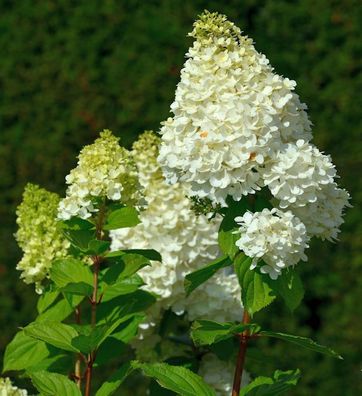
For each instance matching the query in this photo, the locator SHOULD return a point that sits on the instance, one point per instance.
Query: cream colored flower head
(185, 241)
(231, 114)
(278, 238)
(323, 217)
(145, 151)
(38, 235)
(169, 225)
(8, 389)
(105, 170)
(297, 173)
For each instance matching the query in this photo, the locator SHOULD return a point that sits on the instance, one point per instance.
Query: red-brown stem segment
(78, 368)
(94, 302)
(241, 356)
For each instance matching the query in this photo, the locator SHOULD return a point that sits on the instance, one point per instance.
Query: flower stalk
(241, 356)
(78, 368)
(94, 302)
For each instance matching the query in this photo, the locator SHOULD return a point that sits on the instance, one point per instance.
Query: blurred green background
(71, 68)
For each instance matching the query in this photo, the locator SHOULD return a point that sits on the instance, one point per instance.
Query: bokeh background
(68, 69)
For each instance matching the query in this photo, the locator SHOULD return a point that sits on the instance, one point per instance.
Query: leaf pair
(207, 332)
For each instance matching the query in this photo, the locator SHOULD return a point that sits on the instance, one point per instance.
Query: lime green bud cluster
(145, 152)
(8, 389)
(212, 26)
(105, 171)
(38, 235)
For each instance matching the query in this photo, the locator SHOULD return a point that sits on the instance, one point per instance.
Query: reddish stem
(241, 356)
(78, 368)
(94, 301)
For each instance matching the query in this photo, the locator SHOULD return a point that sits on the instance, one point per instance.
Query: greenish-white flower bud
(8, 389)
(38, 234)
(105, 170)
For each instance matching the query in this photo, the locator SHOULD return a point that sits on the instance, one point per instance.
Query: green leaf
(124, 306)
(228, 228)
(290, 287)
(46, 300)
(54, 333)
(303, 342)
(76, 223)
(52, 384)
(60, 310)
(94, 337)
(225, 348)
(228, 232)
(262, 202)
(24, 352)
(177, 379)
(207, 332)
(57, 361)
(281, 382)
(80, 289)
(72, 299)
(84, 240)
(227, 239)
(255, 290)
(113, 383)
(97, 247)
(129, 329)
(115, 344)
(80, 238)
(121, 287)
(197, 278)
(121, 218)
(70, 270)
(149, 254)
(110, 350)
(124, 267)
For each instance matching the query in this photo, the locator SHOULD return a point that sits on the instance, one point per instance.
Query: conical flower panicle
(212, 26)
(236, 127)
(231, 114)
(38, 235)
(168, 225)
(186, 242)
(105, 170)
(145, 151)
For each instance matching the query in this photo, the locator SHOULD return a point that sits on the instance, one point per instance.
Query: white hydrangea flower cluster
(38, 235)
(186, 242)
(8, 389)
(302, 179)
(296, 174)
(105, 171)
(323, 217)
(231, 114)
(219, 374)
(237, 127)
(169, 226)
(278, 238)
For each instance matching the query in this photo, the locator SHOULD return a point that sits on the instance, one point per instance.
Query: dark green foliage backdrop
(69, 69)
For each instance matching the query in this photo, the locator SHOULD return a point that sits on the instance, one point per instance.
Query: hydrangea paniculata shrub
(204, 224)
